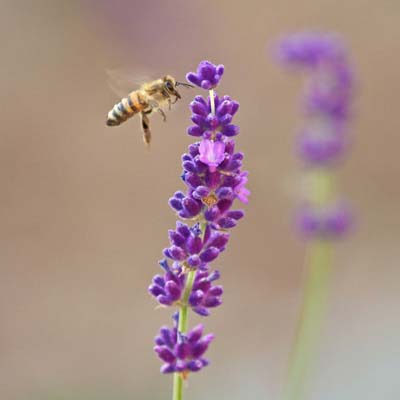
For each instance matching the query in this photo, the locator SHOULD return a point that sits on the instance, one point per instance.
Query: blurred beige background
(84, 212)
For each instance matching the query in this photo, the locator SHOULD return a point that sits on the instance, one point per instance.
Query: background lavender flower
(323, 139)
(327, 95)
(322, 216)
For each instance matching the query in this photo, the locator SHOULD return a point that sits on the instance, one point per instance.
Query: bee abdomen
(122, 111)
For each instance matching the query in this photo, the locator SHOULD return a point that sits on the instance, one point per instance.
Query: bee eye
(169, 85)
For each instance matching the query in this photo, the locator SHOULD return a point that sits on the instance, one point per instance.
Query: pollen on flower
(210, 200)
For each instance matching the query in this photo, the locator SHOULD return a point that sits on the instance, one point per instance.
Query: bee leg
(154, 106)
(162, 113)
(146, 128)
(169, 103)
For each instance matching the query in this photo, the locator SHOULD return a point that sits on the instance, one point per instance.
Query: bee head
(170, 85)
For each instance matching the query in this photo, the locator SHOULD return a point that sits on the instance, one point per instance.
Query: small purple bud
(194, 261)
(226, 119)
(193, 180)
(164, 265)
(236, 214)
(156, 290)
(212, 301)
(199, 108)
(200, 347)
(195, 334)
(216, 291)
(183, 229)
(224, 192)
(212, 213)
(215, 275)
(165, 334)
(194, 365)
(176, 238)
(164, 300)
(182, 350)
(173, 290)
(224, 205)
(158, 340)
(191, 206)
(159, 280)
(226, 223)
(195, 298)
(219, 240)
(175, 203)
(189, 166)
(209, 255)
(194, 130)
(202, 311)
(177, 253)
(167, 369)
(231, 130)
(194, 245)
(165, 354)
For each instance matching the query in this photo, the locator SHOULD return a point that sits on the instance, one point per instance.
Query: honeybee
(151, 96)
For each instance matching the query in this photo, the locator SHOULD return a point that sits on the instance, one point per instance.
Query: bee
(150, 97)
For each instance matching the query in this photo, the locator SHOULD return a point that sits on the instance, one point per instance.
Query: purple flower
(331, 221)
(319, 147)
(213, 179)
(242, 193)
(208, 75)
(204, 294)
(327, 96)
(191, 248)
(308, 48)
(211, 125)
(168, 289)
(211, 153)
(182, 353)
(324, 138)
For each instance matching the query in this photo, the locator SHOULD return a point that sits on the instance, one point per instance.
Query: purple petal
(195, 334)
(209, 255)
(165, 354)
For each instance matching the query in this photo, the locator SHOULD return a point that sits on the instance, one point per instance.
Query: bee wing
(123, 81)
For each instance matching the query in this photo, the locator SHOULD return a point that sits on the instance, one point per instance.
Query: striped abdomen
(126, 108)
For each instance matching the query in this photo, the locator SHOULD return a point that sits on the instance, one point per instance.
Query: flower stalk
(214, 180)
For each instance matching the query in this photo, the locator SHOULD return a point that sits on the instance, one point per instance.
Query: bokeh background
(84, 212)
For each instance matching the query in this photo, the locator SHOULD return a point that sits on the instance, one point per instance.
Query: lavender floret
(207, 76)
(182, 353)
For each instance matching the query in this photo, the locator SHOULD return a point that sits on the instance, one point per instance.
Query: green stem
(322, 187)
(177, 391)
(182, 328)
(318, 267)
(319, 262)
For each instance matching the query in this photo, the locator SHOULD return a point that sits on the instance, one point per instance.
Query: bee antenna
(188, 85)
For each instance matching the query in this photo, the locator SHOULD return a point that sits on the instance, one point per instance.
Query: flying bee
(151, 96)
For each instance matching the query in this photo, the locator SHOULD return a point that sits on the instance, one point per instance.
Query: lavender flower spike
(213, 179)
(323, 216)
(324, 138)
